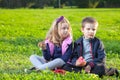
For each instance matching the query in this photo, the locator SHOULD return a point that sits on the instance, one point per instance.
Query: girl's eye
(65, 28)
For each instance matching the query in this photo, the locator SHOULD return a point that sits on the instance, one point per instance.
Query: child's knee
(32, 57)
(59, 60)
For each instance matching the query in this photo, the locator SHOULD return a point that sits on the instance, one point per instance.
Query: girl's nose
(66, 29)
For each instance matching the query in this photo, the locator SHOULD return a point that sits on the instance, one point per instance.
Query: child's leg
(99, 70)
(111, 72)
(52, 64)
(37, 60)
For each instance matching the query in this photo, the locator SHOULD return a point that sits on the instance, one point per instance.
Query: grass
(22, 29)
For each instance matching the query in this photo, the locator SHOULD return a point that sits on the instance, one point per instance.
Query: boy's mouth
(91, 36)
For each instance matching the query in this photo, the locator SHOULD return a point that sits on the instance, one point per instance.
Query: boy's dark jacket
(97, 48)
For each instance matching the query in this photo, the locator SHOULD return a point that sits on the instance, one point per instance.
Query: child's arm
(101, 54)
(45, 50)
(74, 55)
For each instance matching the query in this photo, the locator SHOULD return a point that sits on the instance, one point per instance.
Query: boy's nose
(91, 31)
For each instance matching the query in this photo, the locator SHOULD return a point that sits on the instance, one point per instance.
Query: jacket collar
(80, 40)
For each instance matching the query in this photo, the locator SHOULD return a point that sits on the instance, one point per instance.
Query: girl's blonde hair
(53, 35)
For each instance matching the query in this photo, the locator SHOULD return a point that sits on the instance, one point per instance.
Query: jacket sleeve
(100, 53)
(46, 53)
(74, 55)
(68, 53)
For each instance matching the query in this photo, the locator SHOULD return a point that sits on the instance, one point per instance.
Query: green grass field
(22, 29)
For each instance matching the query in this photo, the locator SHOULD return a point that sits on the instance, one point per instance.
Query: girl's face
(89, 30)
(63, 30)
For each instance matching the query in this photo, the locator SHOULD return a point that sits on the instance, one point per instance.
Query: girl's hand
(80, 62)
(42, 45)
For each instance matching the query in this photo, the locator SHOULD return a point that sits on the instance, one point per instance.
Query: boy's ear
(82, 29)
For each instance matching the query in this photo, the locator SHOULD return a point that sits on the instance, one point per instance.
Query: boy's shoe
(112, 71)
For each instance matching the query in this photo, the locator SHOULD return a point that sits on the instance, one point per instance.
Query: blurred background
(59, 4)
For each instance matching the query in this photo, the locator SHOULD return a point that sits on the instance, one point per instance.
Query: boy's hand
(80, 62)
(42, 45)
(87, 69)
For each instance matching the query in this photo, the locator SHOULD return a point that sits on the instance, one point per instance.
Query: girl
(57, 47)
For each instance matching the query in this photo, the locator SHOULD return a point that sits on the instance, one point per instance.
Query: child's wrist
(91, 64)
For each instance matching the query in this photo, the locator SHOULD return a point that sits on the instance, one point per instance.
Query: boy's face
(89, 30)
(63, 30)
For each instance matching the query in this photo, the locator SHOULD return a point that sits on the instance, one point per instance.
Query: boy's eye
(93, 29)
(88, 28)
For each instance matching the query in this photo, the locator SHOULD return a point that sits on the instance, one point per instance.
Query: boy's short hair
(89, 20)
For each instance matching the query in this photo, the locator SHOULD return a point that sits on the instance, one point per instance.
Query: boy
(88, 52)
